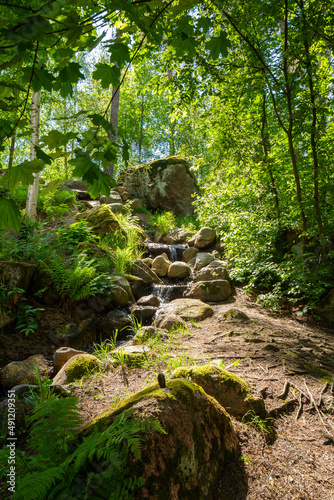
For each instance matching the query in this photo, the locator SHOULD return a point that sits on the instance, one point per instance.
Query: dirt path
(297, 460)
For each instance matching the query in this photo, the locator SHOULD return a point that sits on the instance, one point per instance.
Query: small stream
(167, 293)
(174, 252)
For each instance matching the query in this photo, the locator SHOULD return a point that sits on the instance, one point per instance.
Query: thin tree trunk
(114, 117)
(266, 150)
(172, 140)
(12, 149)
(140, 143)
(290, 128)
(31, 205)
(313, 129)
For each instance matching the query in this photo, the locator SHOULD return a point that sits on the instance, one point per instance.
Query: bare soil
(296, 459)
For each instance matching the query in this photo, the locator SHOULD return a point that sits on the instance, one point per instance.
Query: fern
(95, 468)
(76, 282)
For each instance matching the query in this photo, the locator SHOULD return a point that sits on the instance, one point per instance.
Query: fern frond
(37, 485)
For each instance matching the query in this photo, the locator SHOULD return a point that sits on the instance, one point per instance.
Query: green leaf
(11, 85)
(51, 186)
(42, 79)
(100, 121)
(186, 46)
(109, 75)
(67, 76)
(119, 53)
(21, 173)
(102, 185)
(218, 45)
(10, 215)
(43, 156)
(55, 139)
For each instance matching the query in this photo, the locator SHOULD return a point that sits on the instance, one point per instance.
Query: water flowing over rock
(173, 252)
(167, 293)
(166, 184)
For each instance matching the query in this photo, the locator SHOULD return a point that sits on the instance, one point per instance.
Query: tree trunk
(289, 131)
(31, 205)
(114, 117)
(313, 128)
(140, 142)
(12, 149)
(266, 150)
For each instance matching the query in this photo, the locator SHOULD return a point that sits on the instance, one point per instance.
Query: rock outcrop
(166, 184)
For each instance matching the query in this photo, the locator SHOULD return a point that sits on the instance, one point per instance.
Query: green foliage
(74, 234)
(163, 221)
(124, 244)
(14, 303)
(58, 203)
(57, 465)
(261, 424)
(74, 281)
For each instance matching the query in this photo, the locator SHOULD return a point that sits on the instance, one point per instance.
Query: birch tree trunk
(31, 205)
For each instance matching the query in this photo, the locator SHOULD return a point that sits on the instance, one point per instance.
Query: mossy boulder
(101, 219)
(187, 309)
(76, 367)
(149, 332)
(233, 316)
(16, 274)
(138, 286)
(141, 270)
(210, 274)
(166, 184)
(209, 291)
(185, 463)
(226, 387)
(90, 249)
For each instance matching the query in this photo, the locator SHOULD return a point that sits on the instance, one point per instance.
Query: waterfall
(166, 293)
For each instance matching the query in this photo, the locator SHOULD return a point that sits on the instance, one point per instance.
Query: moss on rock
(80, 365)
(227, 388)
(186, 461)
(102, 219)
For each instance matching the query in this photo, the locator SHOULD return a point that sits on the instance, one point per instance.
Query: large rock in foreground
(166, 184)
(187, 309)
(186, 462)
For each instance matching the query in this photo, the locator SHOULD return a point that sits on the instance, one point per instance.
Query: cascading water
(166, 293)
(174, 252)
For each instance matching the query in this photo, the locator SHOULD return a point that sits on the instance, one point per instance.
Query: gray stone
(200, 260)
(116, 208)
(160, 265)
(169, 321)
(209, 291)
(203, 238)
(144, 313)
(138, 286)
(189, 253)
(114, 197)
(117, 320)
(187, 309)
(124, 283)
(210, 274)
(23, 372)
(74, 336)
(149, 332)
(149, 300)
(16, 274)
(135, 204)
(179, 270)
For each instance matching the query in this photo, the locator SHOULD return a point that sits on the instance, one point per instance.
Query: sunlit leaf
(51, 186)
(21, 173)
(109, 75)
(10, 215)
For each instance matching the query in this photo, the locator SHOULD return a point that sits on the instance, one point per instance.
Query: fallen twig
(281, 409)
(322, 392)
(285, 392)
(300, 409)
(318, 411)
